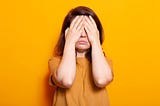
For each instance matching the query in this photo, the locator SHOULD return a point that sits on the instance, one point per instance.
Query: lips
(82, 42)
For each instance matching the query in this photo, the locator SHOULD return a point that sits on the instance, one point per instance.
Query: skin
(80, 36)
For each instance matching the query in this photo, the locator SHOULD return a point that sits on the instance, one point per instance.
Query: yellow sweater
(83, 92)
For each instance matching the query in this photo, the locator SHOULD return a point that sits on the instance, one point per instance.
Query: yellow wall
(29, 30)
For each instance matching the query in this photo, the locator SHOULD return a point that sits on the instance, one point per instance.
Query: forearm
(67, 68)
(101, 70)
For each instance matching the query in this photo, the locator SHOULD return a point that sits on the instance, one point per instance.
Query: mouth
(82, 42)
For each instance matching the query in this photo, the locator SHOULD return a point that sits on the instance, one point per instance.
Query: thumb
(66, 31)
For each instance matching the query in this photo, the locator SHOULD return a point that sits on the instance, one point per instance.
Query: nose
(84, 34)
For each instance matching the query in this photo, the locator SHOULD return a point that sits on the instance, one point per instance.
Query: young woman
(79, 69)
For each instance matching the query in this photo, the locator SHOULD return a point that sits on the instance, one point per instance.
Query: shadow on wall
(49, 91)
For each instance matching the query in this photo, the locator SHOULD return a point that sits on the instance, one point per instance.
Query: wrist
(69, 50)
(95, 43)
(96, 48)
(70, 43)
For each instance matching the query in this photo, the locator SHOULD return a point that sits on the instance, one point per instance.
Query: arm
(66, 71)
(101, 69)
(102, 73)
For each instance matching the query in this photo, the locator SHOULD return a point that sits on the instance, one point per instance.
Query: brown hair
(80, 10)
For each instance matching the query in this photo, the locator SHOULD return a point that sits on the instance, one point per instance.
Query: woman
(79, 69)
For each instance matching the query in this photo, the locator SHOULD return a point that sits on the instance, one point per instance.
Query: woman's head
(78, 11)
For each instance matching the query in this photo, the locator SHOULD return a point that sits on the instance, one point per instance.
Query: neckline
(82, 60)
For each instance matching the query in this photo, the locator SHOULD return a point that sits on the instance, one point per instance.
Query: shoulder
(55, 58)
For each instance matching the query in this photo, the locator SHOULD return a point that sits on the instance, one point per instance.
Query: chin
(82, 48)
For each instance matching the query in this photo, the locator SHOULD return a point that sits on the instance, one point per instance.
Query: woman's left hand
(91, 30)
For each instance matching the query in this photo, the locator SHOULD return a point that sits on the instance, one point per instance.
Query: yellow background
(29, 30)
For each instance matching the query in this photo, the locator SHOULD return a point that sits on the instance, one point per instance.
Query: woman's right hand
(65, 77)
(73, 33)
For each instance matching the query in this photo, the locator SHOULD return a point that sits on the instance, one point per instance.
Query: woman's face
(83, 43)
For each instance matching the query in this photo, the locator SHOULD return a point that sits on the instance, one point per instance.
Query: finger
(88, 26)
(73, 22)
(66, 31)
(80, 31)
(93, 22)
(78, 22)
(81, 24)
(87, 29)
(89, 23)
(81, 28)
(88, 33)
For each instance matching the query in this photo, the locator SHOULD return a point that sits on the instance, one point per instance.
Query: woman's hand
(92, 31)
(73, 33)
(66, 76)
(102, 73)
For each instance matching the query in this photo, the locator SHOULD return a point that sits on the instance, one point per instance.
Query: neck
(81, 53)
